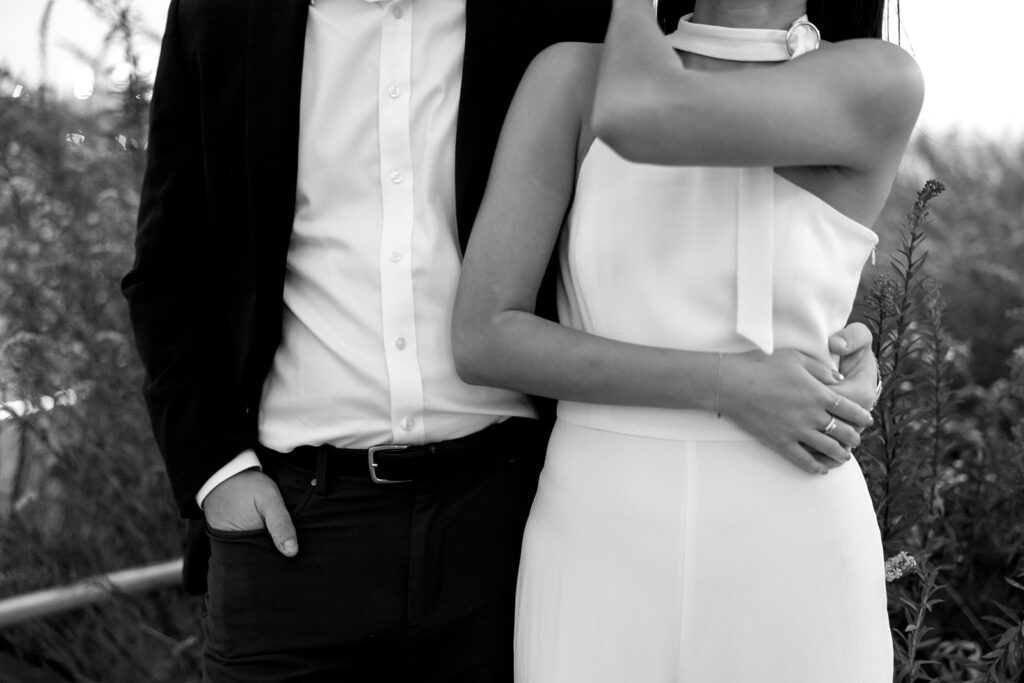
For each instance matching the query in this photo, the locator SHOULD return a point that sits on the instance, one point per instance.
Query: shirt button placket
(398, 176)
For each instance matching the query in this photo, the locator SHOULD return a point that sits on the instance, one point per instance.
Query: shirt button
(396, 177)
(397, 12)
(396, 256)
(400, 343)
(394, 92)
(408, 423)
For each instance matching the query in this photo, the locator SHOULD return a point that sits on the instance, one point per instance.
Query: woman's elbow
(613, 123)
(624, 115)
(627, 131)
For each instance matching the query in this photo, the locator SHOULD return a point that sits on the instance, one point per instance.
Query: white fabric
(374, 258)
(660, 560)
(654, 261)
(743, 44)
(755, 233)
(668, 545)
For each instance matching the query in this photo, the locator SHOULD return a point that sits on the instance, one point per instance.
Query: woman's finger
(844, 433)
(848, 411)
(831, 451)
(800, 457)
(819, 371)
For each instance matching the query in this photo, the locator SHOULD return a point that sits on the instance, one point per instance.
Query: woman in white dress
(715, 188)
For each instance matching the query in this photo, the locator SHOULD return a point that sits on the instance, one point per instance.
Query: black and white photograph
(555, 341)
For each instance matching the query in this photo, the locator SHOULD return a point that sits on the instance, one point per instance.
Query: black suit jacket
(218, 198)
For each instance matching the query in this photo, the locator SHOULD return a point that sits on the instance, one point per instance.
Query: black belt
(402, 463)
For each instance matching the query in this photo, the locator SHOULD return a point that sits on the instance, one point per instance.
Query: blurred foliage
(69, 178)
(976, 241)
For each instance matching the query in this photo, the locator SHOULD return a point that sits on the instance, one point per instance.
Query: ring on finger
(831, 425)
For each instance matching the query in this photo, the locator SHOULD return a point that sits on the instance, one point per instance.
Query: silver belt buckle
(371, 455)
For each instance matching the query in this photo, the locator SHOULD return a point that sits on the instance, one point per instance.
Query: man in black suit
(314, 170)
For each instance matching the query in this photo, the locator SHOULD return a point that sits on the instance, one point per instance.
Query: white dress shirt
(374, 258)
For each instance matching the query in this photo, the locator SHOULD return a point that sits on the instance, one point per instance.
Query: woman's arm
(851, 104)
(781, 399)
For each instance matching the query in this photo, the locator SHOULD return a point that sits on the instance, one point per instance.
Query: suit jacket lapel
(491, 69)
(276, 37)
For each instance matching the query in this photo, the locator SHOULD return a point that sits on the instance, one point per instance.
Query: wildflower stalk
(893, 309)
(909, 642)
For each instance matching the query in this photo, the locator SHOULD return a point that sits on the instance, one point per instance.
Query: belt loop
(321, 472)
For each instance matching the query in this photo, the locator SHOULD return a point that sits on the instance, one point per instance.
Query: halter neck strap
(745, 44)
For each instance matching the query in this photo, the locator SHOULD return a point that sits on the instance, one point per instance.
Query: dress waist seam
(655, 423)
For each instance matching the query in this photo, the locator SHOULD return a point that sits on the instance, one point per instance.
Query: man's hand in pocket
(251, 500)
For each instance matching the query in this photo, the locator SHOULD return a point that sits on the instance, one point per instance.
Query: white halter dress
(669, 545)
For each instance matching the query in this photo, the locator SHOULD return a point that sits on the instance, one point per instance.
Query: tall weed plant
(945, 466)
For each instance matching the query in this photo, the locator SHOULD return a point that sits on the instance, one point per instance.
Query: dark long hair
(836, 19)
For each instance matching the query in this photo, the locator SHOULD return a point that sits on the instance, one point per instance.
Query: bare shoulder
(885, 78)
(886, 64)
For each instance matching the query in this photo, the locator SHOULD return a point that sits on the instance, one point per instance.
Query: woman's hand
(787, 401)
(857, 363)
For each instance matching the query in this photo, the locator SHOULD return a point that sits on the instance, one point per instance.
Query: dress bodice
(706, 259)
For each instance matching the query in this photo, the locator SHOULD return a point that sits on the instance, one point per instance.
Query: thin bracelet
(718, 388)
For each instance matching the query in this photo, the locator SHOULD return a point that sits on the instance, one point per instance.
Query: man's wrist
(246, 460)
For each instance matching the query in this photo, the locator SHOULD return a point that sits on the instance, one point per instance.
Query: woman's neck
(777, 14)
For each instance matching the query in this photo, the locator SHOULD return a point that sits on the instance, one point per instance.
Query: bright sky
(972, 65)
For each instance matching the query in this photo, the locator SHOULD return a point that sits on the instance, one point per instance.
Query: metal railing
(89, 591)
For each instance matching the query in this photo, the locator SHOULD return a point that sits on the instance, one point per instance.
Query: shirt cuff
(246, 460)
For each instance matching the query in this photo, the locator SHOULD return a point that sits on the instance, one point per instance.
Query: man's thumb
(279, 523)
(854, 337)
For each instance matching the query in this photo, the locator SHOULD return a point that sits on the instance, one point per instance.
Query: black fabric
(196, 556)
(397, 462)
(407, 582)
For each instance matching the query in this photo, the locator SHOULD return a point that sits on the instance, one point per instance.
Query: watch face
(802, 37)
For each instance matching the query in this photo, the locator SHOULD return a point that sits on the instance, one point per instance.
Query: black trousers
(395, 582)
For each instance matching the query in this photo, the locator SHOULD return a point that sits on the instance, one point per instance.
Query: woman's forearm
(782, 400)
(520, 351)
